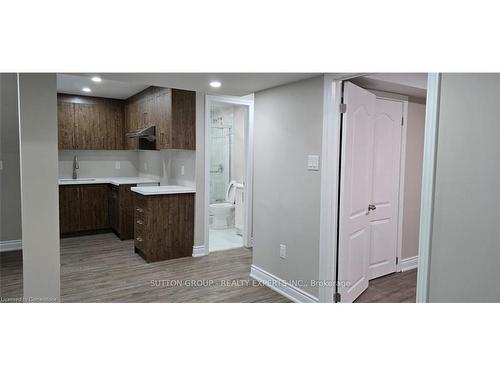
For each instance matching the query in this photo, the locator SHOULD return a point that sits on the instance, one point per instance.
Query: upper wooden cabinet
(171, 111)
(90, 123)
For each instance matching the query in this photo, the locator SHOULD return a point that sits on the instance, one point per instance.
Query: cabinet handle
(140, 222)
(139, 210)
(139, 239)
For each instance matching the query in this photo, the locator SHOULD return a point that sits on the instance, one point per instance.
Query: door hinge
(397, 260)
(343, 108)
(402, 121)
(336, 297)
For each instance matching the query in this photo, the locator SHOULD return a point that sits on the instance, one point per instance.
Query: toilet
(223, 212)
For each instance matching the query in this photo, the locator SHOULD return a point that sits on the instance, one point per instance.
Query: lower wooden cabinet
(121, 211)
(87, 209)
(164, 226)
(83, 208)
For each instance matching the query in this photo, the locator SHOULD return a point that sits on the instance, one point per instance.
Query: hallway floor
(396, 287)
(101, 268)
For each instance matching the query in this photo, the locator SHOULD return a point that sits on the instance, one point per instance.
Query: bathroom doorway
(228, 176)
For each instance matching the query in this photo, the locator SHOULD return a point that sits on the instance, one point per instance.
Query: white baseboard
(282, 287)
(199, 251)
(408, 264)
(10, 245)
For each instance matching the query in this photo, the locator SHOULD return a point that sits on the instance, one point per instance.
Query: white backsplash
(97, 163)
(166, 165)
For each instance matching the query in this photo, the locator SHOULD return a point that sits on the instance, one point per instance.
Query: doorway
(371, 171)
(228, 173)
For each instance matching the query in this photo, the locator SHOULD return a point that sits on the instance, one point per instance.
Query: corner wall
(464, 254)
(10, 180)
(39, 186)
(288, 127)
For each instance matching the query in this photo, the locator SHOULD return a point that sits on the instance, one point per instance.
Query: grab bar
(218, 170)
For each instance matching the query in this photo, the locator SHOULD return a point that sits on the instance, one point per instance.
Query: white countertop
(160, 190)
(108, 180)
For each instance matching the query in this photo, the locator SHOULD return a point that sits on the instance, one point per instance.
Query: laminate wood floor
(101, 268)
(396, 287)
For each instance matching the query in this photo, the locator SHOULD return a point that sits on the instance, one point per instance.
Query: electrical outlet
(182, 170)
(282, 251)
(117, 165)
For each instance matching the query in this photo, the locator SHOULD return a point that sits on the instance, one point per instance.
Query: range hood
(147, 133)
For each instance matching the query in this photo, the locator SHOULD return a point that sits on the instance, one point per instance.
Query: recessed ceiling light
(96, 79)
(215, 84)
(86, 89)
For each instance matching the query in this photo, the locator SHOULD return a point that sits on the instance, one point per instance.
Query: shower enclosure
(226, 138)
(221, 148)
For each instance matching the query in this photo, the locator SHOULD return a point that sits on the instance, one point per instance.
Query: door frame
(329, 211)
(248, 190)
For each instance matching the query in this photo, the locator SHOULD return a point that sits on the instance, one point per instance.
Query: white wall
(94, 163)
(465, 255)
(288, 127)
(166, 165)
(413, 178)
(10, 180)
(39, 186)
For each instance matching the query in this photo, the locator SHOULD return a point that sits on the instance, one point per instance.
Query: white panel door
(383, 217)
(356, 191)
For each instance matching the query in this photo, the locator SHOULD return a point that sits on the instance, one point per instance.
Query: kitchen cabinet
(113, 208)
(164, 226)
(69, 209)
(83, 208)
(121, 211)
(92, 208)
(171, 111)
(90, 123)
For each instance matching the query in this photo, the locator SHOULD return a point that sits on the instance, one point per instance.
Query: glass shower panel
(221, 124)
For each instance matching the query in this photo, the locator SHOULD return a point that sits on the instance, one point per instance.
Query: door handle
(371, 207)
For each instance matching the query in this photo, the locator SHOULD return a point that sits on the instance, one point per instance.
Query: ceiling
(73, 84)
(123, 85)
(409, 84)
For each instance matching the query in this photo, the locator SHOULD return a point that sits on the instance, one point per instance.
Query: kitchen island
(164, 222)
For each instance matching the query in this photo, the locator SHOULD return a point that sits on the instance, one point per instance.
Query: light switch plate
(313, 162)
(282, 251)
(117, 165)
(182, 170)
(1, 165)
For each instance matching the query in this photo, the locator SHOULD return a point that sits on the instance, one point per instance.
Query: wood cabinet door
(86, 123)
(113, 208)
(65, 125)
(162, 109)
(132, 123)
(69, 209)
(114, 130)
(94, 213)
(183, 119)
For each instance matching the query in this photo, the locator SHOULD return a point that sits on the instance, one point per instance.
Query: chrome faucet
(76, 166)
